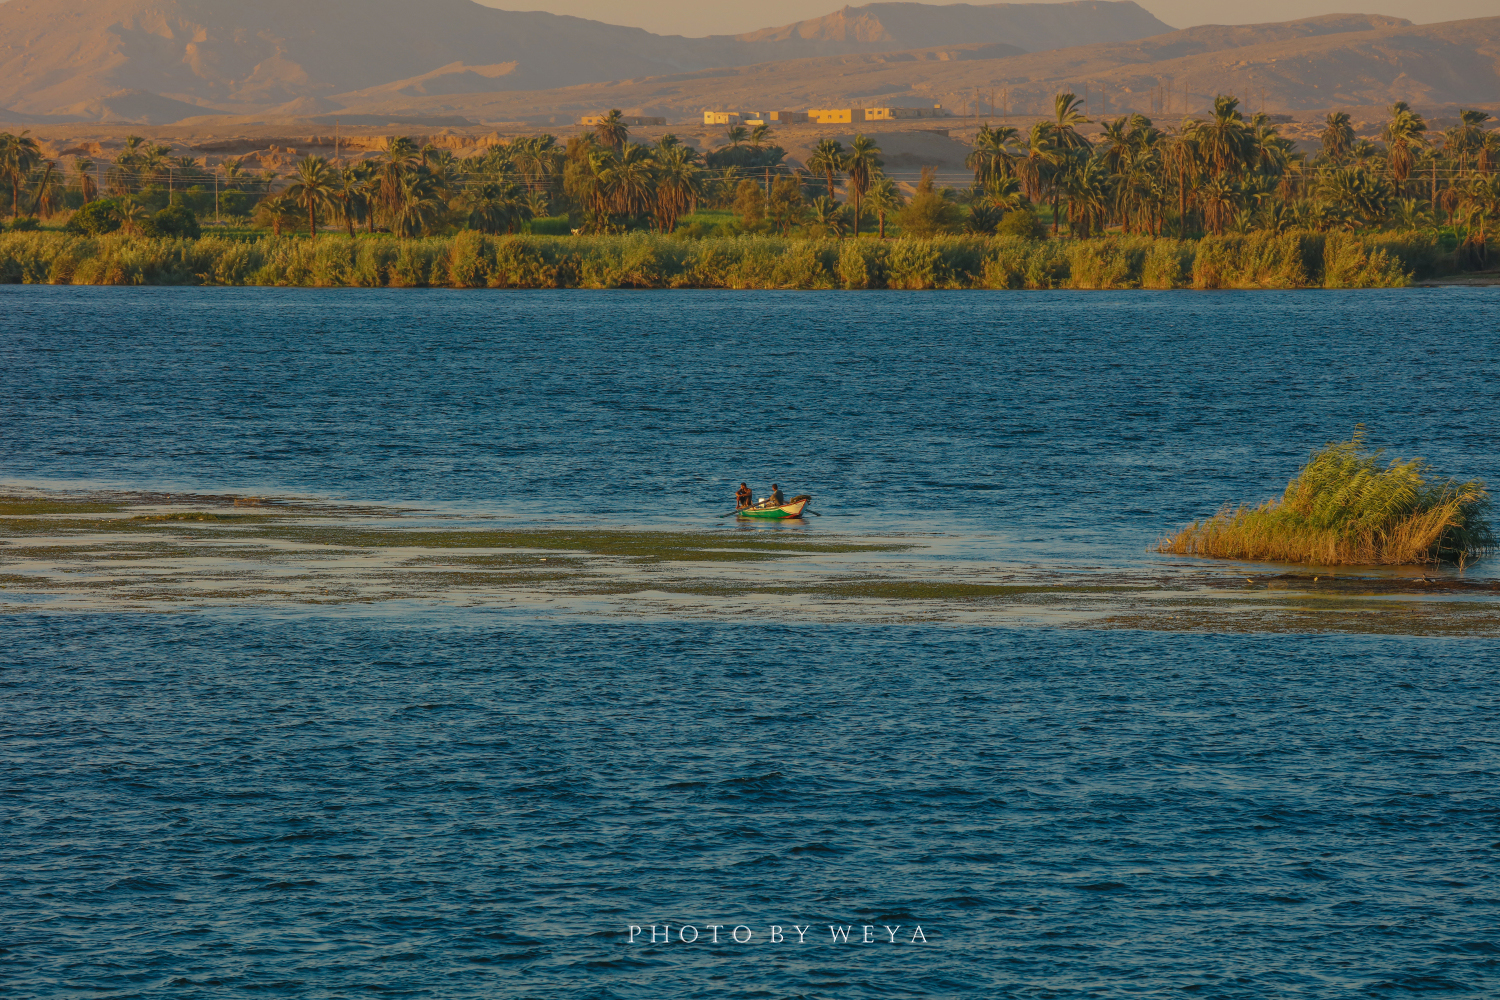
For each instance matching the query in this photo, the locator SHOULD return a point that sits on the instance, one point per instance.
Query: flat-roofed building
(592, 120)
(892, 114)
(842, 116)
(786, 117)
(730, 117)
(835, 116)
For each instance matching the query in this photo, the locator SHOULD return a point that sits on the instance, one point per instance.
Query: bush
(24, 224)
(174, 222)
(929, 213)
(1021, 222)
(750, 202)
(1345, 508)
(95, 219)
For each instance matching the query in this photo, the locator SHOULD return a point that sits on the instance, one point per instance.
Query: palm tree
(131, 214)
(416, 208)
(1182, 161)
(884, 199)
(537, 205)
(1035, 168)
(785, 207)
(1337, 136)
(612, 131)
(736, 134)
(828, 159)
(1466, 137)
(19, 155)
(991, 157)
(678, 185)
(862, 164)
(1481, 204)
(1005, 194)
(83, 179)
(400, 158)
(1068, 117)
(982, 219)
(351, 194)
(826, 218)
(538, 159)
(1404, 133)
(153, 162)
(1115, 145)
(1358, 195)
(1220, 198)
(634, 180)
(1409, 213)
(1224, 141)
(313, 189)
(760, 136)
(1088, 187)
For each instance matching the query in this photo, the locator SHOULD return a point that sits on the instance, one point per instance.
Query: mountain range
(1336, 61)
(163, 60)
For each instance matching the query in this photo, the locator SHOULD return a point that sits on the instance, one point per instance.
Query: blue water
(450, 802)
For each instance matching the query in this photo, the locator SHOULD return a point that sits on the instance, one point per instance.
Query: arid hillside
(159, 61)
(888, 27)
(1339, 60)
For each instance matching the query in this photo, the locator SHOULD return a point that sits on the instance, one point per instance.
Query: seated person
(742, 497)
(776, 498)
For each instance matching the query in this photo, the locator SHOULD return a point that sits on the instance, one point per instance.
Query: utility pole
(335, 142)
(216, 198)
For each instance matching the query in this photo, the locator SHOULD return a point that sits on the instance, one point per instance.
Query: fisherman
(776, 498)
(742, 497)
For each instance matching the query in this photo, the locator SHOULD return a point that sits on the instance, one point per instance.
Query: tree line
(1224, 173)
(1228, 173)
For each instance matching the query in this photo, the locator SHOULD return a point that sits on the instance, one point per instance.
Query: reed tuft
(1346, 508)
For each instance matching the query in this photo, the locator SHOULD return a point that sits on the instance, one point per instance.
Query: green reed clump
(1346, 508)
(645, 260)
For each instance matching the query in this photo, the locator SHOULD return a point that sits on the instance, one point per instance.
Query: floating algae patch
(647, 545)
(32, 507)
(939, 590)
(1436, 619)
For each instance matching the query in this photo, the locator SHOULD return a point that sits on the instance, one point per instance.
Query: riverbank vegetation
(471, 259)
(1347, 507)
(1221, 201)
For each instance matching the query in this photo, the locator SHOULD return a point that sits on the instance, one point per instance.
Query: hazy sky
(715, 17)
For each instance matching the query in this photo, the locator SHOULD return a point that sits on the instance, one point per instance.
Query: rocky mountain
(163, 60)
(1317, 63)
(890, 27)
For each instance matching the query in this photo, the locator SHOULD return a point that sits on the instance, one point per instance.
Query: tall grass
(1346, 508)
(638, 260)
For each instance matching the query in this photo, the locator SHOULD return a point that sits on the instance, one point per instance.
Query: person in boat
(743, 497)
(776, 499)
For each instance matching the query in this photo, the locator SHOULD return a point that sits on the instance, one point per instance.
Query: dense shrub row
(473, 260)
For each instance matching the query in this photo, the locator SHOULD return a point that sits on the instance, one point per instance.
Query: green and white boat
(777, 512)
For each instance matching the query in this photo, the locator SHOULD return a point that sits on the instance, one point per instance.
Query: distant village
(815, 116)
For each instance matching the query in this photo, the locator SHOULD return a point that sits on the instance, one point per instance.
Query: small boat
(792, 508)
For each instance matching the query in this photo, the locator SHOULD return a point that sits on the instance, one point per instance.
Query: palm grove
(1224, 173)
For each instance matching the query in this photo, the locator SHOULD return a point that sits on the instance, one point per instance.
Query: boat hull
(786, 510)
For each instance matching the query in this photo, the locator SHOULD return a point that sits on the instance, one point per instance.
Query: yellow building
(728, 117)
(835, 116)
(786, 117)
(891, 114)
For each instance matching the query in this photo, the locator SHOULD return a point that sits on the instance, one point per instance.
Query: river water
(424, 800)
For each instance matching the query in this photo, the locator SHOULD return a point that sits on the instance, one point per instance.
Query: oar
(730, 514)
